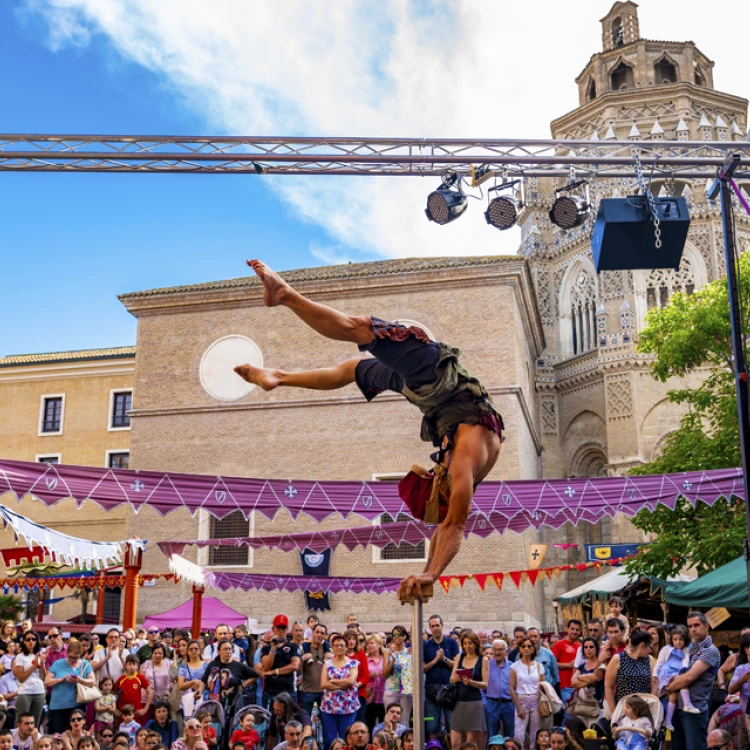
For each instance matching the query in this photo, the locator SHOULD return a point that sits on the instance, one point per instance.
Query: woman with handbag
(190, 677)
(64, 677)
(588, 682)
(398, 674)
(29, 670)
(156, 671)
(471, 673)
(526, 674)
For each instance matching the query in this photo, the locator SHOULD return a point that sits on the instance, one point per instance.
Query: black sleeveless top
(633, 676)
(469, 693)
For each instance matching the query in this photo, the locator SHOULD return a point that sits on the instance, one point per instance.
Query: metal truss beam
(397, 157)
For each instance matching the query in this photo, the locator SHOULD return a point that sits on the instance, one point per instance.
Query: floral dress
(342, 701)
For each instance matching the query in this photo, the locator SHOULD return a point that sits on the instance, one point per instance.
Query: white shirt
(9, 684)
(33, 684)
(20, 744)
(113, 668)
(527, 678)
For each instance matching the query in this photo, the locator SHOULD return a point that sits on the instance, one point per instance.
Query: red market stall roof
(213, 613)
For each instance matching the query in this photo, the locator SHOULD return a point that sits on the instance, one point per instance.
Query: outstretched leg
(325, 320)
(325, 379)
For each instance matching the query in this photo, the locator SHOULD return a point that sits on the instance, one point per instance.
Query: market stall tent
(214, 612)
(724, 587)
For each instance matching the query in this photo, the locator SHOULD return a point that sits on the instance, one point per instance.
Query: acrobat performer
(458, 415)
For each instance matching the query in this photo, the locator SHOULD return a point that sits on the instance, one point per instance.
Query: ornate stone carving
(619, 398)
(549, 415)
(662, 283)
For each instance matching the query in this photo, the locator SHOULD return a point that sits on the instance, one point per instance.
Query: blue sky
(418, 68)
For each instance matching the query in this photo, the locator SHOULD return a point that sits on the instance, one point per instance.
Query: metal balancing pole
(417, 660)
(721, 187)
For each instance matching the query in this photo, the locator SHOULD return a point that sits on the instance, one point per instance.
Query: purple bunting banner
(497, 506)
(226, 581)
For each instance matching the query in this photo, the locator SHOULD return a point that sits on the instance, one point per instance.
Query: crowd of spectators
(305, 688)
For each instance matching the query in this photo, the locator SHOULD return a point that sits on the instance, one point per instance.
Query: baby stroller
(261, 715)
(216, 711)
(604, 726)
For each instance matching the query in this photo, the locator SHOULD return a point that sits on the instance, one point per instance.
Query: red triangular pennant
(445, 582)
(481, 579)
(515, 576)
(532, 574)
(498, 579)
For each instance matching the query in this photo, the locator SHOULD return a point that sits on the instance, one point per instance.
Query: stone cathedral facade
(600, 410)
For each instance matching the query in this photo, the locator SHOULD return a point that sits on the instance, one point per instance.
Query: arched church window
(591, 92)
(622, 77)
(618, 33)
(583, 313)
(665, 71)
(662, 283)
(700, 79)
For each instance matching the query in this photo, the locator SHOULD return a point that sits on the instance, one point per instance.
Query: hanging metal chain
(646, 190)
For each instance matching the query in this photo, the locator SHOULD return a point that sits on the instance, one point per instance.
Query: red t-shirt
(130, 690)
(251, 738)
(564, 652)
(209, 735)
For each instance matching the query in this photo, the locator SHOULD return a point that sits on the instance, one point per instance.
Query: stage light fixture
(569, 211)
(447, 202)
(502, 210)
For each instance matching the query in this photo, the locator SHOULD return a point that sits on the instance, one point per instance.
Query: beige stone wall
(290, 433)
(85, 440)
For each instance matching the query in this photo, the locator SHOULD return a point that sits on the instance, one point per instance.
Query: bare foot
(275, 289)
(266, 379)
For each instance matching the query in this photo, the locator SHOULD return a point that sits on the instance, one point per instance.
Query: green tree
(10, 607)
(694, 331)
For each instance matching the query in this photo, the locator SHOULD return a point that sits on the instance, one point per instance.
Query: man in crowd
(298, 634)
(8, 693)
(313, 658)
(221, 633)
(356, 737)
(391, 723)
(719, 739)
(292, 737)
(279, 661)
(546, 658)
(152, 638)
(439, 655)
(499, 708)
(565, 651)
(519, 633)
(616, 641)
(691, 729)
(25, 735)
(56, 649)
(110, 660)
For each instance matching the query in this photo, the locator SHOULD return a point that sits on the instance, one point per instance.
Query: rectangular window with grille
(52, 414)
(112, 604)
(122, 403)
(392, 552)
(233, 525)
(49, 459)
(119, 460)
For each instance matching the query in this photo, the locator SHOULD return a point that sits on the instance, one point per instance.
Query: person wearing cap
(434, 745)
(221, 634)
(280, 661)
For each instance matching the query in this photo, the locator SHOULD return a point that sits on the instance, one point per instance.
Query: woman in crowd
(340, 702)
(630, 671)
(398, 674)
(589, 677)
(284, 710)
(190, 676)
(163, 723)
(525, 675)
(76, 731)
(658, 639)
(542, 740)
(356, 652)
(574, 729)
(192, 739)
(8, 635)
(558, 739)
(741, 678)
(156, 671)
(63, 678)
(471, 672)
(377, 656)
(29, 670)
(407, 740)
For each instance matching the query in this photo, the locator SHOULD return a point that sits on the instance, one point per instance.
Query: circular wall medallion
(217, 374)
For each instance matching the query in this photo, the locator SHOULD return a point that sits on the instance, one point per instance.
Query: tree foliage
(694, 331)
(10, 607)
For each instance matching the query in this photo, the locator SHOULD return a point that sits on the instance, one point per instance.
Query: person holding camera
(280, 661)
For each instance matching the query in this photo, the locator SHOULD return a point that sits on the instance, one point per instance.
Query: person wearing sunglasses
(30, 671)
(398, 674)
(63, 677)
(56, 650)
(719, 739)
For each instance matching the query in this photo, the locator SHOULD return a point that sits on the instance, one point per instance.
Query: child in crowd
(237, 746)
(616, 605)
(140, 738)
(634, 730)
(542, 739)
(104, 707)
(45, 742)
(677, 663)
(247, 733)
(209, 733)
(6, 661)
(131, 685)
(129, 725)
(87, 743)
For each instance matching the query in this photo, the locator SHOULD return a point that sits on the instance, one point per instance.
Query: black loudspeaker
(623, 237)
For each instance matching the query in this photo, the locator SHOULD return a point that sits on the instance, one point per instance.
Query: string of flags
(521, 576)
(91, 582)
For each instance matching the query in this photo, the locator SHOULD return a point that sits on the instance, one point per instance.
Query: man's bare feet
(275, 289)
(266, 379)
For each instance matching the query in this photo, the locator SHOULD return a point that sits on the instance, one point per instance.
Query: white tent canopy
(606, 585)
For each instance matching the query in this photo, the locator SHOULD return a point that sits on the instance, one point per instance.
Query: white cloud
(395, 68)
